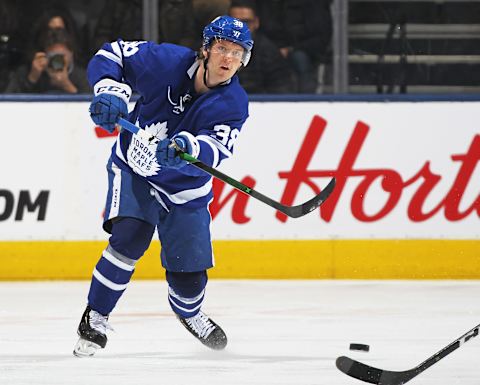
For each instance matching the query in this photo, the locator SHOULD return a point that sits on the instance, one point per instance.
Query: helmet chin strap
(205, 61)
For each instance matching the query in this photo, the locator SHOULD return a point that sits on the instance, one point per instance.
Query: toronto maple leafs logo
(141, 152)
(158, 131)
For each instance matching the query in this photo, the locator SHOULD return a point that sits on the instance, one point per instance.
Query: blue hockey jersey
(163, 76)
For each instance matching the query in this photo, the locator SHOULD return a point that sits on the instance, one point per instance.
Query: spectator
(53, 68)
(56, 16)
(302, 29)
(123, 18)
(10, 40)
(268, 72)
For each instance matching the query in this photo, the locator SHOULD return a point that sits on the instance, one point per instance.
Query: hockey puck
(360, 347)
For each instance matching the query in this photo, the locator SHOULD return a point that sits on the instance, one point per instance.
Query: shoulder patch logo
(179, 107)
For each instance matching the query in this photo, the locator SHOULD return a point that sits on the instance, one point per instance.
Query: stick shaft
(291, 211)
(195, 162)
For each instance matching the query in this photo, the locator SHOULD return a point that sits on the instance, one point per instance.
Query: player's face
(225, 58)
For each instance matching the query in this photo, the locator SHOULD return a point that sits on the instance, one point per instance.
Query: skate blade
(85, 348)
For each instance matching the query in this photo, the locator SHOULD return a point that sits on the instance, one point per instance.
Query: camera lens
(56, 62)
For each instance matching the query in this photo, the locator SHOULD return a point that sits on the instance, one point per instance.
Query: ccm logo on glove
(114, 90)
(110, 103)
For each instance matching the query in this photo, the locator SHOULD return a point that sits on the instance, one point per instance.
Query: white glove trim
(193, 141)
(112, 87)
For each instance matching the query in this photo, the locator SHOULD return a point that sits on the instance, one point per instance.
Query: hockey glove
(167, 154)
(106, 109)
(110, 103)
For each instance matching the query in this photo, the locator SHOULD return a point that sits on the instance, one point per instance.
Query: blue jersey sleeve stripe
(110, 56)
(217, 144)
(116, 49)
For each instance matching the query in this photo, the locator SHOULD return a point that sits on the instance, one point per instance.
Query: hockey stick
(291, 211)
(373, 375)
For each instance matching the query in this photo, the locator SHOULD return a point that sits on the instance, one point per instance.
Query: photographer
(53, 68)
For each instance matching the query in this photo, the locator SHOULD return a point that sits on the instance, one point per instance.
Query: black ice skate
(93, 333)
(206, 331)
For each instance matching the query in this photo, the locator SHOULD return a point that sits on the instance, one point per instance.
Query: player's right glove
(109, 103)
(106, 109)
(167, 155)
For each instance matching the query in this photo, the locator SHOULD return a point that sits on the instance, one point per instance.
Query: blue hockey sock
(186, 292)
(129, 241)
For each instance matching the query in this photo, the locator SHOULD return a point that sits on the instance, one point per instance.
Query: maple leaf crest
(141, 153)
(158, 130)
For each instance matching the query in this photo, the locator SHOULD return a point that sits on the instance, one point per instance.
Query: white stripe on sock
(107, 282)
(184, 309)
(187, 301)
(122, 265)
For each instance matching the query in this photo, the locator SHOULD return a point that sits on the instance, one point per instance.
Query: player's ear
(205, 52)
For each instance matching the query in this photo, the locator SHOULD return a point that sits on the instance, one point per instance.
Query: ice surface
(280, 332)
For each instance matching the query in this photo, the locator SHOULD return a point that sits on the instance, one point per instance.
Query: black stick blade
(358, 370)
(312, 204)
(372, 375)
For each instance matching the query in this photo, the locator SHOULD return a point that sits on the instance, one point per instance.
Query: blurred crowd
(45, 46)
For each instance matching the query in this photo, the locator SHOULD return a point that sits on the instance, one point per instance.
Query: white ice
(280, 332)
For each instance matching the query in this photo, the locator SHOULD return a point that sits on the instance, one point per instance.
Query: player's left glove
(167, 154)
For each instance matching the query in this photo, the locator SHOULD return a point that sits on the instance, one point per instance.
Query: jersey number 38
(226, 135)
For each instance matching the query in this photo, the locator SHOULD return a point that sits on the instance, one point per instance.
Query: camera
(56, 61)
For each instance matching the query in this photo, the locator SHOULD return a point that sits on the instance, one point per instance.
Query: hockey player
(192, 99)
